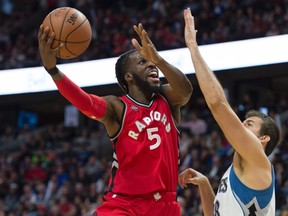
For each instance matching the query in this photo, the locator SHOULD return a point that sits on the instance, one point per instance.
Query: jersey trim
(114, 137)
(246, 194)
(174, 123)
(141, 104)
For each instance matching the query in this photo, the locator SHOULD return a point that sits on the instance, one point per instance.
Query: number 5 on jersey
(153, 135)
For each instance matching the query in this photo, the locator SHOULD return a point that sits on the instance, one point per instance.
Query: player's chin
(154, 82)
(156, 87)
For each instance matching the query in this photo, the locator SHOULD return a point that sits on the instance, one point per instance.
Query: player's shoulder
(113, 100)
(114, 108)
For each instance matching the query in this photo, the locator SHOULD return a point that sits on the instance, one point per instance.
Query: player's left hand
(190, 31)
(147, 50)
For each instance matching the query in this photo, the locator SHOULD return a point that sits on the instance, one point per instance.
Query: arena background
(24, 117)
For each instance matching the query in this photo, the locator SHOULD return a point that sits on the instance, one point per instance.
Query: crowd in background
(112, 21)
(55, 170)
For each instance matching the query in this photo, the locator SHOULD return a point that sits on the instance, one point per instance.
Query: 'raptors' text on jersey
(145, 149)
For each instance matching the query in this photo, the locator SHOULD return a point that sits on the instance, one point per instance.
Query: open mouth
(153, 74)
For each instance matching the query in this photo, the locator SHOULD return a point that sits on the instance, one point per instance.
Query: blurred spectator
(196, 125)
(28, 199)
(51, 192)
(11, 200)
(66, 170)
(93, 167)
(35, 174)
(65, 207)
(227, 20)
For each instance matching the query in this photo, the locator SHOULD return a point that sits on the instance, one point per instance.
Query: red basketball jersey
(145, 149)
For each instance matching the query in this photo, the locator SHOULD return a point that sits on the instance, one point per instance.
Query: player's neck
(142, 98)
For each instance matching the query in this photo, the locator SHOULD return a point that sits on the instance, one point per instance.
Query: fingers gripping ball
(71, 28)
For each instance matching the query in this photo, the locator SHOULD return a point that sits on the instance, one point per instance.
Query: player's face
(253, 124)
(145, 73)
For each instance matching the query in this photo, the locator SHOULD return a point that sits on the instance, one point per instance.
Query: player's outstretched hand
(47, 53)
(191, 176)
(190, 31)
(147, 50)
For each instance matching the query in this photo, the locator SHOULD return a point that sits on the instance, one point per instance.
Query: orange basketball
(71, 28)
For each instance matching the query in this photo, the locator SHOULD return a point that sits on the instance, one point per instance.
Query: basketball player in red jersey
(142, 126)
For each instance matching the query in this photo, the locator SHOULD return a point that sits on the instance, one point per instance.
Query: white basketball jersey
(233, 198)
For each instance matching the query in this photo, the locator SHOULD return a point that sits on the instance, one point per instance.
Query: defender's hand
(190, 31)
(191, 176)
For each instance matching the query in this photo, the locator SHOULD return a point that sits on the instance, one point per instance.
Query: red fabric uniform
(146, 149)
(144, 173)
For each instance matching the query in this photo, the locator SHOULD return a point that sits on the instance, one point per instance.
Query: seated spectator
(196, 125)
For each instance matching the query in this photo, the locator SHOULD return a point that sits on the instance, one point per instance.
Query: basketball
(71, 28)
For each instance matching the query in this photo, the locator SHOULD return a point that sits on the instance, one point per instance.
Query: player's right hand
(191, 176)
(47, 53)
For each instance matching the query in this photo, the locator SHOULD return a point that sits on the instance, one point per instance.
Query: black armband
(52, 71)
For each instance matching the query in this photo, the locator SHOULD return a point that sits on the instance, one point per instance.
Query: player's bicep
(113, 115)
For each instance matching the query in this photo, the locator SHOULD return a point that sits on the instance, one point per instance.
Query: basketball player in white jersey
(248, 186)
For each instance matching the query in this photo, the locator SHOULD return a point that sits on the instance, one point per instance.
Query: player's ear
(264, 138)
(128, 77)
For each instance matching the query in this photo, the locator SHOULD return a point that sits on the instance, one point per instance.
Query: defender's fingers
(189, 19)
(186, 16)
(182, 180)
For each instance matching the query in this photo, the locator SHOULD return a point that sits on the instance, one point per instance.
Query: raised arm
(179, 89)
(104, 109)
(246, 144)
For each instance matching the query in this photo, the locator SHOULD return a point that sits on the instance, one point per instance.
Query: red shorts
(154, 204)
